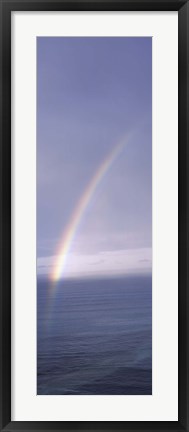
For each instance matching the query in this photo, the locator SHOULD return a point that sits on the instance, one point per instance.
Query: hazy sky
(91, 93)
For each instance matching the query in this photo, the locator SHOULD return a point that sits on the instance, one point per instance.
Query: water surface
(94, 337)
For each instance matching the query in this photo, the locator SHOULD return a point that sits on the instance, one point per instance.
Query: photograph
(94, 215)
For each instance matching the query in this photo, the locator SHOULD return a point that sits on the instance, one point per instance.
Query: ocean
(94, 336)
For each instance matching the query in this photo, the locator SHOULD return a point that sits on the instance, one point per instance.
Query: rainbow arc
(81, 206)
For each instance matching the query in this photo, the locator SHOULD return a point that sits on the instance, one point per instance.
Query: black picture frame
(6, 7)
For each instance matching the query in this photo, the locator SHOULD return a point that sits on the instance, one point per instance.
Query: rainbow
(72, 227)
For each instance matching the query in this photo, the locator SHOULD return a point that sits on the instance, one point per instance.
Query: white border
(163, 405)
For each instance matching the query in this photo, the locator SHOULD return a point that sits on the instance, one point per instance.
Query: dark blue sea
(95, 337)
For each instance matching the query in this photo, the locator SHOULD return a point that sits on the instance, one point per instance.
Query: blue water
(94, 337)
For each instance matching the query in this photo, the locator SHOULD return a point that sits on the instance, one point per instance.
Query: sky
(93, 93)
